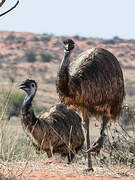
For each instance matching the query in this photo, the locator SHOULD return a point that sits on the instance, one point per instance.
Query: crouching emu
(93, 83)
(56, 131)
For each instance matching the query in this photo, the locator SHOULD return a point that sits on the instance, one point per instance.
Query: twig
(9, 9)
(2, 2)
(124, 130)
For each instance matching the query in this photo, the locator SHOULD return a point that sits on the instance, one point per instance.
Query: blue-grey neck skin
(28, 117)
(66, 59)
(27, 102)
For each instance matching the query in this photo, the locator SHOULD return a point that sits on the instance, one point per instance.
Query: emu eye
(33, 85)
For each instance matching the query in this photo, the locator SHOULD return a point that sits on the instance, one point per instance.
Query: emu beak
(22, 86)
(25, 88)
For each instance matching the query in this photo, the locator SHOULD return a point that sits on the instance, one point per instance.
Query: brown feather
(51, 130)
(95, 82)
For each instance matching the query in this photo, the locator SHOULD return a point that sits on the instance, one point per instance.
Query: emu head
(68, 44)
(29, 86)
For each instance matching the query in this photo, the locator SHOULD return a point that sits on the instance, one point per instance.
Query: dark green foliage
(30, 55)
(77, 37)
(35, 39)
(10, 38)
(14, 104)
(109, 41)
(38, 109)
(45, 57)
(57, 44)
(45, 38)
(90, 43)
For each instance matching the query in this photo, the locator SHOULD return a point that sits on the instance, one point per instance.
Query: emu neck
(27, 111)
(63, 76)
(27, 102)
(66, 60)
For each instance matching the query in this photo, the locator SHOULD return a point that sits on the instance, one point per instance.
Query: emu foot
(70, 158)
(96, 147)
(88, 170)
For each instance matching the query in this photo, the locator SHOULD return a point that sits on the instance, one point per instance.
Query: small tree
(45, 38)
(30, 55)
(15, 101)
(14, 104)
(11, 37)
(45, 57)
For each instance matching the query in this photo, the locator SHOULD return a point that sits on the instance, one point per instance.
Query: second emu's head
(68, 44)
(29, 86)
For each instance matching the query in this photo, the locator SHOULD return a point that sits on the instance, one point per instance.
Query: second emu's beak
(24, 87)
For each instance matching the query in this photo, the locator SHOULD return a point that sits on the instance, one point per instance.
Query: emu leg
(70, 158)
(99, 143)
(49, 153)
(88, 145)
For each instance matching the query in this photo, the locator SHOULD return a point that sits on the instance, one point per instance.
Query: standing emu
(56, 131)
(92, 83)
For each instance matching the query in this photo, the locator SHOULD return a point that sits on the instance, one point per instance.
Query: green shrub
(10, 38)
(15, 101)
(30, 55)
(45, 38)
(109, 41)
(14, 104)
(45, 57)
(35, 39)
(90, 43)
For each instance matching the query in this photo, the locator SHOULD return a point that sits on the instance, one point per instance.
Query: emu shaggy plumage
(93, 83)
(56, 131)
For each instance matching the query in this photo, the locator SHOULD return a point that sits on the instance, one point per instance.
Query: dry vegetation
(18, 157)
(17, 154)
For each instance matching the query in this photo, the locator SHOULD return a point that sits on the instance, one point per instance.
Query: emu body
(93, 83)
(56, 131)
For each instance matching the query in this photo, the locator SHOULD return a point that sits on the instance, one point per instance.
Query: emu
(56, 131)
(93, 83)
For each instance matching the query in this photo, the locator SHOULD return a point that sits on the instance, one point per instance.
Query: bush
(90, 43)
(109, 41)
(35, 39)
(45, 38)
(14, 103)
(45, 57)
(30, 55)
(77, 37)
(10, 38)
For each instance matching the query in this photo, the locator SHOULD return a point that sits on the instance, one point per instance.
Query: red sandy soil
(61, 171)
